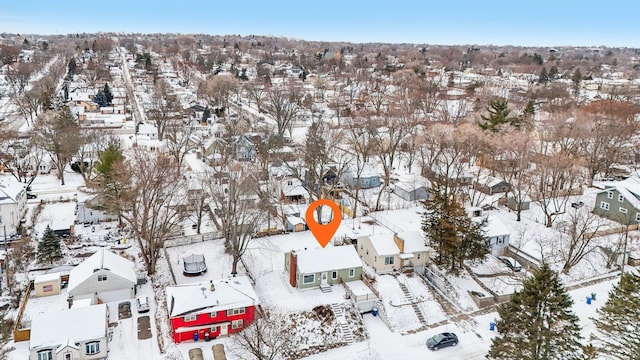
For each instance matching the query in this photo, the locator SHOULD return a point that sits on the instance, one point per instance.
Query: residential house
(322, 267)
(515, 204)
(490, 185)
(88, 214)
(148, 130)
(103, 276)
(386, 253)
(367, 179)
(13, 204)
(620, 202)
(292, 192)
(497, 233)
(244, 147)
(71, 334)
(206, 310)
(411, 187)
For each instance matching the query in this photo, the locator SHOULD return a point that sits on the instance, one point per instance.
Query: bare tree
(556, 177)
(153, 199)
(255, 92)
(179, 141)
(236, 211)
(387, 138)
(217, 90)
(59, 134)
(267, 338)
(359, 140)
(581, 228)
(511, 157)
(164, 108)
(283, 105)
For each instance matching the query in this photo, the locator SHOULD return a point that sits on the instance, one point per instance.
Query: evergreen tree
(206, 114)
(49, 247)
(543, 78)
(101, 99)
(576, 79)
(498, 109)
(619, 319)
(449, 231)
(107, 93)
(537, 323)
(553, 72)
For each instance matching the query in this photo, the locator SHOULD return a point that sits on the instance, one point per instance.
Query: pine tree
(101, 99)
(498, 109)
(537, 323)
(543, 78)
(107, 93)
(576, 79)
(49, 247)
(553, 72)
(449, 231)
(619, 319)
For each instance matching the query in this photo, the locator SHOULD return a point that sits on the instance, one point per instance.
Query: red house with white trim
(206, 310)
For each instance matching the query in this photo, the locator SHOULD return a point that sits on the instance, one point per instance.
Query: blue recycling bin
(374, 311)
(195, 336)
(588, 300)
(492, 326)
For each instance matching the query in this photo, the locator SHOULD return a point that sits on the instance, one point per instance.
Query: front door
(224, 329)
(323, 279)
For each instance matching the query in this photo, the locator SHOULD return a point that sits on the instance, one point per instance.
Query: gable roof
(330, 258)
(102, 259)
(413, 241)
(629, 188)
(196, 298)
(10, 191)
(65, 327)
(383, 244)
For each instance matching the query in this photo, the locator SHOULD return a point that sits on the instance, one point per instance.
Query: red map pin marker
(323, 232)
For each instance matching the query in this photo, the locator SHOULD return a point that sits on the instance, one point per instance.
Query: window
(236, 324)
(213, 314)
(500, 240)
(102, 277)
(604, 205)
(623, 210)
(610, 194)
(214, 329)
(190, 317)
(638, 217)
(352, 273)
(388, 260)
(45, 355)
(67, 356)
(418, 256)
(236, 311)
(47, 288)
(93, 347)
(620, 198)
(309, 279)
(334, 275)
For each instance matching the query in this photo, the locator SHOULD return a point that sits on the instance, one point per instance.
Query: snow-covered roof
(10, 190)
(293, 187)
(410, 182)
(489, 181)
(295, 220)
(199, 297)
(358, 288)
(367, 170)
(629, 188)
(494, 227)
(46, 277)
(384, 244)
(413, 241)
(330, 258)
(57, 328)
(102, 259)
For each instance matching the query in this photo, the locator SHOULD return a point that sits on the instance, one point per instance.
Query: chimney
(213, 287)
(293, 268)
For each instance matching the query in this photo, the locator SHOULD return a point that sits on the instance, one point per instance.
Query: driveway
(195, 354)
(144, 327)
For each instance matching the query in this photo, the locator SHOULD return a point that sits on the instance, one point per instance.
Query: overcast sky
(514, 22)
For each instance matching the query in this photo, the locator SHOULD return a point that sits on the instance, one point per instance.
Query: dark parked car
(31, 196)
(511, 263)
(442, 340)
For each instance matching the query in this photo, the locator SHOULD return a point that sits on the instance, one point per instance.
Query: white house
(13, 201)
(105, 276)
(71, 334)
(496, 231)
